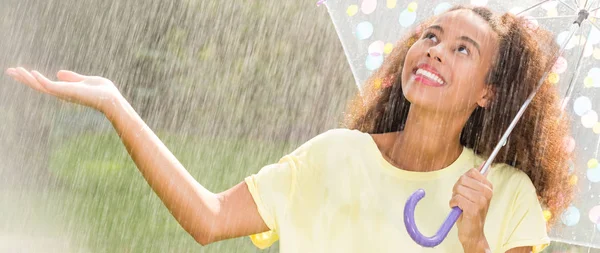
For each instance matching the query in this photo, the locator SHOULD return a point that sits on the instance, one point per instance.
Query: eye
(463, 50)
(430, 36)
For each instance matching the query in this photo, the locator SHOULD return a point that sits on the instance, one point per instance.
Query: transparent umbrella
(368, 30)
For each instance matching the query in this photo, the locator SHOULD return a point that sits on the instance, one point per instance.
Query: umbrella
(368, 30)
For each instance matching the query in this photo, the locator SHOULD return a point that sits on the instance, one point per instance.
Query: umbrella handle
(411, 226)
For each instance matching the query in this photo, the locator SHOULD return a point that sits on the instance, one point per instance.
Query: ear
(487, 96)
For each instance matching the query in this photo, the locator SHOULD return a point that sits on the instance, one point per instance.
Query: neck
(430, 140)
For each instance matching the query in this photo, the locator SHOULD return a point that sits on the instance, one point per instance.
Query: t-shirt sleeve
(272, 189)
(526, 225)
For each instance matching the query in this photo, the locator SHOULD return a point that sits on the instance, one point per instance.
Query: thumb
(69, 76)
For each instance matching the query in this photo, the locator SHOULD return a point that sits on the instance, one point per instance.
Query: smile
(428, 77)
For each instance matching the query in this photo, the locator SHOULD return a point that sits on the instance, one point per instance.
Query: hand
(92, 91)
(472, 193)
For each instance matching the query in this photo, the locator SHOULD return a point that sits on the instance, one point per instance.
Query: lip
(425, 80)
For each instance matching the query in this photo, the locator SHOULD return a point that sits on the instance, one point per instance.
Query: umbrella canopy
(368, 29)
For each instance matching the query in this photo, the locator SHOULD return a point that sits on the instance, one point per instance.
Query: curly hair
(536, 145)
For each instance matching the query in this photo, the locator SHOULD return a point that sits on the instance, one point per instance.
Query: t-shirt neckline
(389, 168)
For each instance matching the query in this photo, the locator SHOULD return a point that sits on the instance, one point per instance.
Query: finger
(468, 181)
(472, 195)
(469, 209)
(15, 75)
(63, 89)
(460, 201)
(28, 79)
(70, 76)
(475, 174)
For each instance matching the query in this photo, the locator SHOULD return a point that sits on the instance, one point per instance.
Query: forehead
(466, 23)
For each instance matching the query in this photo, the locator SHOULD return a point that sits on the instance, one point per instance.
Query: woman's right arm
(206, 216)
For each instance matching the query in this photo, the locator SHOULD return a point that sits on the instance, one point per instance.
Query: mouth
(428, 75)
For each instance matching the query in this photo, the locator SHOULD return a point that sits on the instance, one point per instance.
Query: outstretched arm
(206, 216)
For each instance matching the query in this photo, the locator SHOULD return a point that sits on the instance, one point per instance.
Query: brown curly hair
(536, 145)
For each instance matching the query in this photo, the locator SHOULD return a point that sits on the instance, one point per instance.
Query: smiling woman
(459, 79)
(453, 89)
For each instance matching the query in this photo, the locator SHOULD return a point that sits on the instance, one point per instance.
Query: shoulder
(338, 138)
(333, 145)
(510, 180)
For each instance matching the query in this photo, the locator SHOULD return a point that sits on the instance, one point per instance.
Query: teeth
(429, 75)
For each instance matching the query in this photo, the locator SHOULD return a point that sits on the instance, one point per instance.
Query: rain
(229, 87)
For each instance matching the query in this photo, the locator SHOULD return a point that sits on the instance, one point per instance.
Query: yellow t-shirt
(336, 193)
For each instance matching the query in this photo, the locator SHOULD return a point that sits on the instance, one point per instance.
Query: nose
(435, 53)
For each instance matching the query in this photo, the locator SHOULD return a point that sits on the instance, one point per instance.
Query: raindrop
(376, 48)
(563, 36)
(364, 30)
(594, 36)
(479, 2)
(560, 65)
(588, 82)
(594, 73)
(589, 119)
(352, 10)
(368, 6)
(549, 5)
(412, 7)
(592, 163)
(593, 175)
(407, 18)
(387, 49)
(391, 4)
(588, 50)
(569, 144)
(596, 128)
(596, 53)
(532, 23)
(442, 7)
(553, 78)
(571, 216)
(516, 10)
(594, 214)
(374, 62)
(582, 105)
(552, 13)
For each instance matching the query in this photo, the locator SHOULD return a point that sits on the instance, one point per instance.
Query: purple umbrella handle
(413, 231)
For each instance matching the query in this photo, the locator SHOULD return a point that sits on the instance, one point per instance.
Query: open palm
(92, 91)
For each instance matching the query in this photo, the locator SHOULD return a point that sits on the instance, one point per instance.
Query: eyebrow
(464, 38)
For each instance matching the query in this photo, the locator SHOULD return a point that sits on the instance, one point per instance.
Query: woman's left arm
(472, 193)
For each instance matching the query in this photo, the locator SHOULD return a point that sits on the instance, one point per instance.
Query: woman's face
(446, 68)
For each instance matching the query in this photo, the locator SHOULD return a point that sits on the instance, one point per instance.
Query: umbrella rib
(533, 6)
(574, 77)
(594, 24)
(568, 16)
(568, 6)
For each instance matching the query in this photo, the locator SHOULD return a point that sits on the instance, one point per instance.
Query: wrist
(114, 106)
(477, 245)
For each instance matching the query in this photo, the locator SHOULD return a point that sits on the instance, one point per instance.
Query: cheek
(411, 57)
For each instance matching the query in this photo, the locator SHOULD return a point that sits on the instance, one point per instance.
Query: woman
(430, 116)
